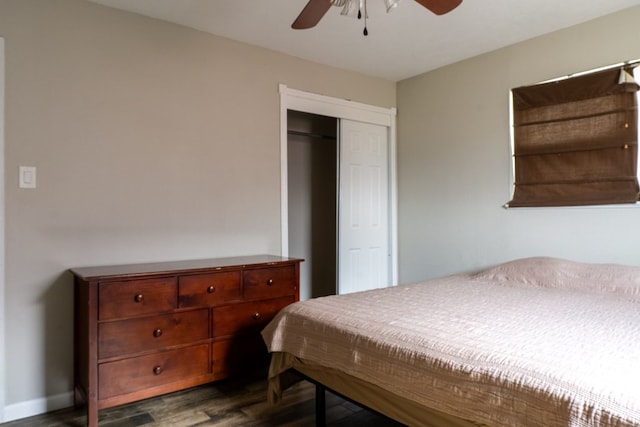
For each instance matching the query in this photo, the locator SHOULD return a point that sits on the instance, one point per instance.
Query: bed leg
(321, 416)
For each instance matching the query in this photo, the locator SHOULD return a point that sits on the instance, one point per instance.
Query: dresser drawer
(236, 356)
(132, 336)
(205, 290)
(221, 358)
(246, 317)
(139, 373)
(136, 297)
(270, 282)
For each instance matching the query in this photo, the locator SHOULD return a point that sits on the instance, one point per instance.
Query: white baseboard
(33, 407)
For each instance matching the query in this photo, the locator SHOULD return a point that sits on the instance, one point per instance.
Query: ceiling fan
(316, 9)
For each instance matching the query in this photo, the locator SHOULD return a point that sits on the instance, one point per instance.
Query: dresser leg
(92, 414)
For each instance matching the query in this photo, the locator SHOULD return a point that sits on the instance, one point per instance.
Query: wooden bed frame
(364, 394)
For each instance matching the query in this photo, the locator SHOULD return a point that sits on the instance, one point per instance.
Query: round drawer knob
(256, 316)
(269, 282)
(211, 289)
(157, 333)
(139, 298)
(157, 370)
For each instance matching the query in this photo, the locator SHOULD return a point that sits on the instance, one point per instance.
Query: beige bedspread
(494, 353)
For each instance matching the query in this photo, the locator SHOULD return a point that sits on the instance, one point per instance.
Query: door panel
(364, 206)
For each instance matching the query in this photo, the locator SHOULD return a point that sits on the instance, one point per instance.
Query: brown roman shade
(576, 141)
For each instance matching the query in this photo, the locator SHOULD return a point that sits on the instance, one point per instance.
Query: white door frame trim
(2, 242)
(307, 102)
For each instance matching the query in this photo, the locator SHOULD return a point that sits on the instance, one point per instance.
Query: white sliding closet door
(364, 255)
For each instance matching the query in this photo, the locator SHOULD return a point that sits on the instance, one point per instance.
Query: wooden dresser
(141, 330)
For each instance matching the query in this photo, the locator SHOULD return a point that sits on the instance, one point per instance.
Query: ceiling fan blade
(440, 7)
(311, 14)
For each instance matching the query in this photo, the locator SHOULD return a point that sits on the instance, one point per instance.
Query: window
(576, 140)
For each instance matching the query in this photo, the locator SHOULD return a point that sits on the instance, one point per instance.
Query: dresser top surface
(176, 267)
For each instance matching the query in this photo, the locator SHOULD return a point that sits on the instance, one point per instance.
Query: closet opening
(312, 162)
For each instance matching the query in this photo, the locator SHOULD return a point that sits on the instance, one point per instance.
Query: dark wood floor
(240, 402)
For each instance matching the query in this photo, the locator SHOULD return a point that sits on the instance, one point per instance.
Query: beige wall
(151, 141)
(454, 160)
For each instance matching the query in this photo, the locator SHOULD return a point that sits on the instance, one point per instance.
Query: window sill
(620, 206)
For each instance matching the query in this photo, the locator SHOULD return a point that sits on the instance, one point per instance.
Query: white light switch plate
(27, 177)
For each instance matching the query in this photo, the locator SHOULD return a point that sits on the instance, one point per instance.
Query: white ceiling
(406, 42)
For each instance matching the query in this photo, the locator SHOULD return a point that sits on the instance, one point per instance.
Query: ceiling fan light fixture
(349, 7)
(391, 4)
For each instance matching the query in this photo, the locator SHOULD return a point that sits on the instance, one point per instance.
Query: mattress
(491, 348)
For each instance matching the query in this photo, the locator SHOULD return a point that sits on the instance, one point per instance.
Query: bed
(536, 341)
